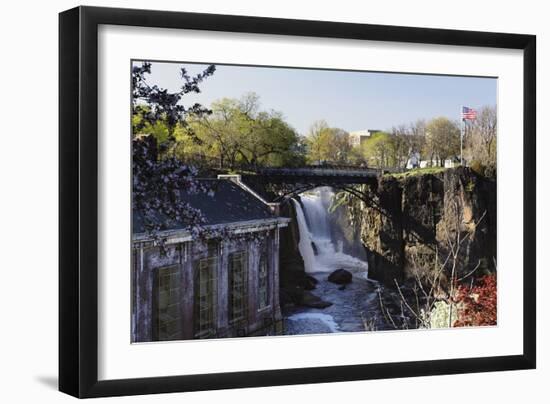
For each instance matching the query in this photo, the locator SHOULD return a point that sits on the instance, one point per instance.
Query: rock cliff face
(347, 232)
(419, 223)
(382, 232)
(293, 279)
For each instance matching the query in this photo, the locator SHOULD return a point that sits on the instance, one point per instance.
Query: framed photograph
(251, 201)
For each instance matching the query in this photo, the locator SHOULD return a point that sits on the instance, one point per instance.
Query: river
(354, 307)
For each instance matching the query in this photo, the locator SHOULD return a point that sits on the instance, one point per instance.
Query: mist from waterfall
(320, 250)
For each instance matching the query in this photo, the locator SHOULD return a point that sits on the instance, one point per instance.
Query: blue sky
(347, 100)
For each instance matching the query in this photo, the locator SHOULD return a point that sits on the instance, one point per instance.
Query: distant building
(415, 162)
(206, 287)
(452, 162)
(356, 138)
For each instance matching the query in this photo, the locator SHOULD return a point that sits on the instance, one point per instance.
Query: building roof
(223, 202)
(364, 132)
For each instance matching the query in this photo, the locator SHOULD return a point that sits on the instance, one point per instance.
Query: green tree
(318, 142)
(408, 139)
(379, 150)
(340, 150)
(277, 143)
(417, 133)
(402, 142)
(357, 156)
(239, 133)
(326, 144)
(442, 140)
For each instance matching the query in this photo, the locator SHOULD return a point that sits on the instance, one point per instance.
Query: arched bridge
(337, 174)
(277, 185)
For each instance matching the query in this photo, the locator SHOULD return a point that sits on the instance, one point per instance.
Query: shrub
(477, 305)
(439, 316)
(485, 170)
(477, 167)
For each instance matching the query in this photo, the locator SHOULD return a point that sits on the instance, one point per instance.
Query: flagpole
(461, 133)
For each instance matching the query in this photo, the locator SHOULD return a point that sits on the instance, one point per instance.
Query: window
(237, 286)
(205, 293)
(263, 281)
(167, 313)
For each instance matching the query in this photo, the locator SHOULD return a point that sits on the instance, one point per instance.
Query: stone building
(204, 287)
(358, 137)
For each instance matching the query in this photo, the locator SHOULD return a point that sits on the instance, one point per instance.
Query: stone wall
(147, 259)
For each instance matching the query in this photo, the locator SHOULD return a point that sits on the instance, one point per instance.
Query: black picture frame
(78, 200)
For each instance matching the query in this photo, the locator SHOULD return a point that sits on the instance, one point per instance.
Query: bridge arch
(301, 188)
(278, 190)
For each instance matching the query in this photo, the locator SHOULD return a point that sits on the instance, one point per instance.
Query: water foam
(315, 230)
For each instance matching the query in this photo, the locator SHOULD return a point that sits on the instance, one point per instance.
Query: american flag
(468, 114)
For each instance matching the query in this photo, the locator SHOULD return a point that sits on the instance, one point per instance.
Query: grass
(417, 171)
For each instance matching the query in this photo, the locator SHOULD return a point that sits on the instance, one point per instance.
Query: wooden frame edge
(78, 362)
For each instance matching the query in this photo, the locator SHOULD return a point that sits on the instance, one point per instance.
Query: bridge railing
(321, 171)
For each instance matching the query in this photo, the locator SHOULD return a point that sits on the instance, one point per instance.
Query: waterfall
(305, 247)
(319, 250)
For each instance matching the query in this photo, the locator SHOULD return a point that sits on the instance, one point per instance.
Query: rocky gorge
(409, 226)
(416, 224)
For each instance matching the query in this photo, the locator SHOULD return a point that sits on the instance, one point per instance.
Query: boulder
(340, 277)
(291, 295)
(311, 300)
(309, 282)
